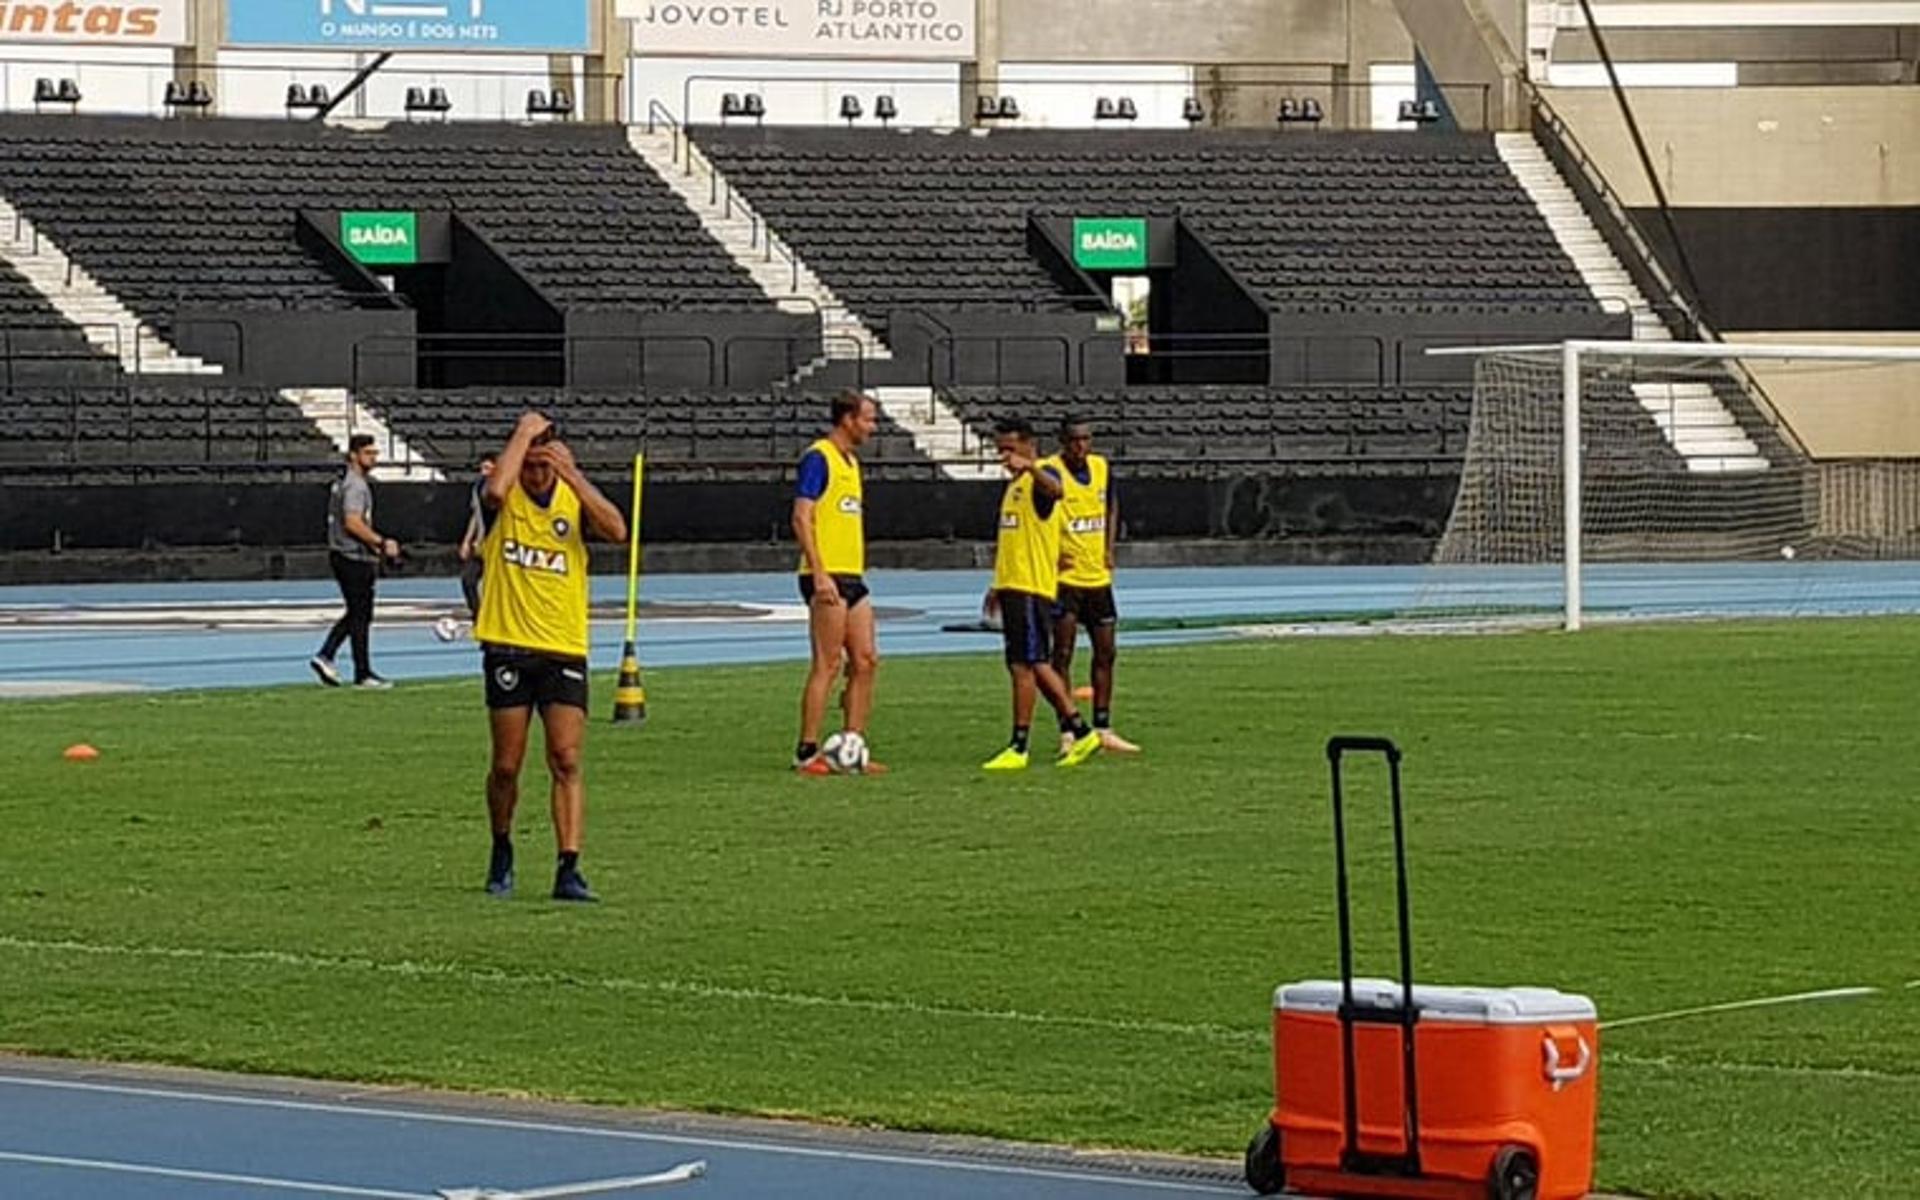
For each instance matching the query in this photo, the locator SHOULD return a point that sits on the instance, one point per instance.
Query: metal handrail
(1677, 298)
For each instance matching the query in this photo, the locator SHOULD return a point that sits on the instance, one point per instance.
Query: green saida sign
(381, 238)
(1110, 243)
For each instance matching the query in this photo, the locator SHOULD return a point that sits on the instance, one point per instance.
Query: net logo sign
(101, 23)
(1110, 243)
(381, 238)
(508, 25)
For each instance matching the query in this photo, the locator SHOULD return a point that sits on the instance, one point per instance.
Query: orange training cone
(80, 752)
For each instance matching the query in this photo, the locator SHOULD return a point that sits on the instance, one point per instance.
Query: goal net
(1702, 479)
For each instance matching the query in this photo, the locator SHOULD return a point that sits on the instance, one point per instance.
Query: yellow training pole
(630, 694)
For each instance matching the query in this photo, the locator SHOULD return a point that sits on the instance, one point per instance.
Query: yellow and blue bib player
(539, 508)
(1090, 523)
(829, 523)
(1026, 580)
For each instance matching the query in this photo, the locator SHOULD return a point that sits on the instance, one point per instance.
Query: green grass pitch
(289, 881)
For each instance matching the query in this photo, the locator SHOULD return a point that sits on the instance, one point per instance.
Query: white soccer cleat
(1113, 743)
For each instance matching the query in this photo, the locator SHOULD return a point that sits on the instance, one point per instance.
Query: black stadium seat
(202, 212)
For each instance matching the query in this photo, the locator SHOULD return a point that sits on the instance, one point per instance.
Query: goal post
(1665, 452)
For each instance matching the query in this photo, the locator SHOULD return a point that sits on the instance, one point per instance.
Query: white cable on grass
(1846, 993)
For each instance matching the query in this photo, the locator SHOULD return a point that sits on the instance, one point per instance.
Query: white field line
(743, 1144)
(255, 1181)
(459, 973)
(1845, 993)
(1721, 1067)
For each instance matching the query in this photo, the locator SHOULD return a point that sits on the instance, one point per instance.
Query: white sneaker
(324, 668)
(374, 683)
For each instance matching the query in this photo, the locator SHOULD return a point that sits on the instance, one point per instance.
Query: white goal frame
(1576, 352)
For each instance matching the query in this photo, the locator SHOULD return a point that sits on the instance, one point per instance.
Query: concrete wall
(1753, 147)
(1176, 31)
(1845, 410)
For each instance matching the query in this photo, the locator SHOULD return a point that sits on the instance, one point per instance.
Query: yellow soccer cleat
(1007, 760)
(1082, 750)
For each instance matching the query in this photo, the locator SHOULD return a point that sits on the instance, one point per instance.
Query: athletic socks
(503, 843)
(1080, 728)
(806, 751)
(569, 862)
(1103, 718)
(1022, 734)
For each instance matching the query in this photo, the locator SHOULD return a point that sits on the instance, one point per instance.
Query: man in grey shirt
(354, 548)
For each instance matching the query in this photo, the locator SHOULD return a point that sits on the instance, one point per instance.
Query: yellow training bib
(1027, 555)
(1083, 525)
(839, 517)
(534, 592)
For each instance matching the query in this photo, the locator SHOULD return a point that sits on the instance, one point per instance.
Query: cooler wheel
(1515, 1175)
(1264, 1172)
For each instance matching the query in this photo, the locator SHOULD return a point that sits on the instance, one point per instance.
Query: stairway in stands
(1690, 415)
(753, 244)
(110, 326)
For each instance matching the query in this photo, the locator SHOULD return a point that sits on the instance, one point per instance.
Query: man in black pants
(355, 549)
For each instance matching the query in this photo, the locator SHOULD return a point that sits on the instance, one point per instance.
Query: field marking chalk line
(411, 969)
(1844, 993)
(259, 1181)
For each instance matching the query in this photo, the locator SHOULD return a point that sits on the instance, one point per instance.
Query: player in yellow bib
(1026, 580)
(829, 523)
(532, 626)
(1090, 520)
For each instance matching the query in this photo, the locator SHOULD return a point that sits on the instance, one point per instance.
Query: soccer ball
(845, 753)
(447, 629)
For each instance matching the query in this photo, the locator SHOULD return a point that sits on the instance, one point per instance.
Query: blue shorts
(1026, 622)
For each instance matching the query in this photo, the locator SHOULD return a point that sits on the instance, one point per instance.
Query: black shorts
(1091, 607)
(1026, 622)
(530, 679)
(853, 589)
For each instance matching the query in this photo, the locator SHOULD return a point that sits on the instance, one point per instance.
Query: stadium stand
(1384, 428)
(1322, 223)
(166, 213)
(714, 431)
(184, 429)
(38, 346)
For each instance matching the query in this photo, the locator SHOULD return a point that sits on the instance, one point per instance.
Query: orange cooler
(1506, 1090)
(1385, 1088)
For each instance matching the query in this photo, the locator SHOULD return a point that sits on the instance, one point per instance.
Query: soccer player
(1090, 510)
(354, 550)
(471, 566)
(829, 522)
(532, 630)
(1026, 581)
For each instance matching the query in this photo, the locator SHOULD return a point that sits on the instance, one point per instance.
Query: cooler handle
(1558, 1075)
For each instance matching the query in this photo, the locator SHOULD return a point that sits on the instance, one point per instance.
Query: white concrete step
(938, 432)
(754, 245)
(1689, 416)
(106, 323)
(334, 413)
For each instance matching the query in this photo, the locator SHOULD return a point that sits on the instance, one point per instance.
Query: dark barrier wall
(1263, 504)
(302, 349)
(1209, 300)
(696, 351)
(1034, 349)
(1799, 268)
